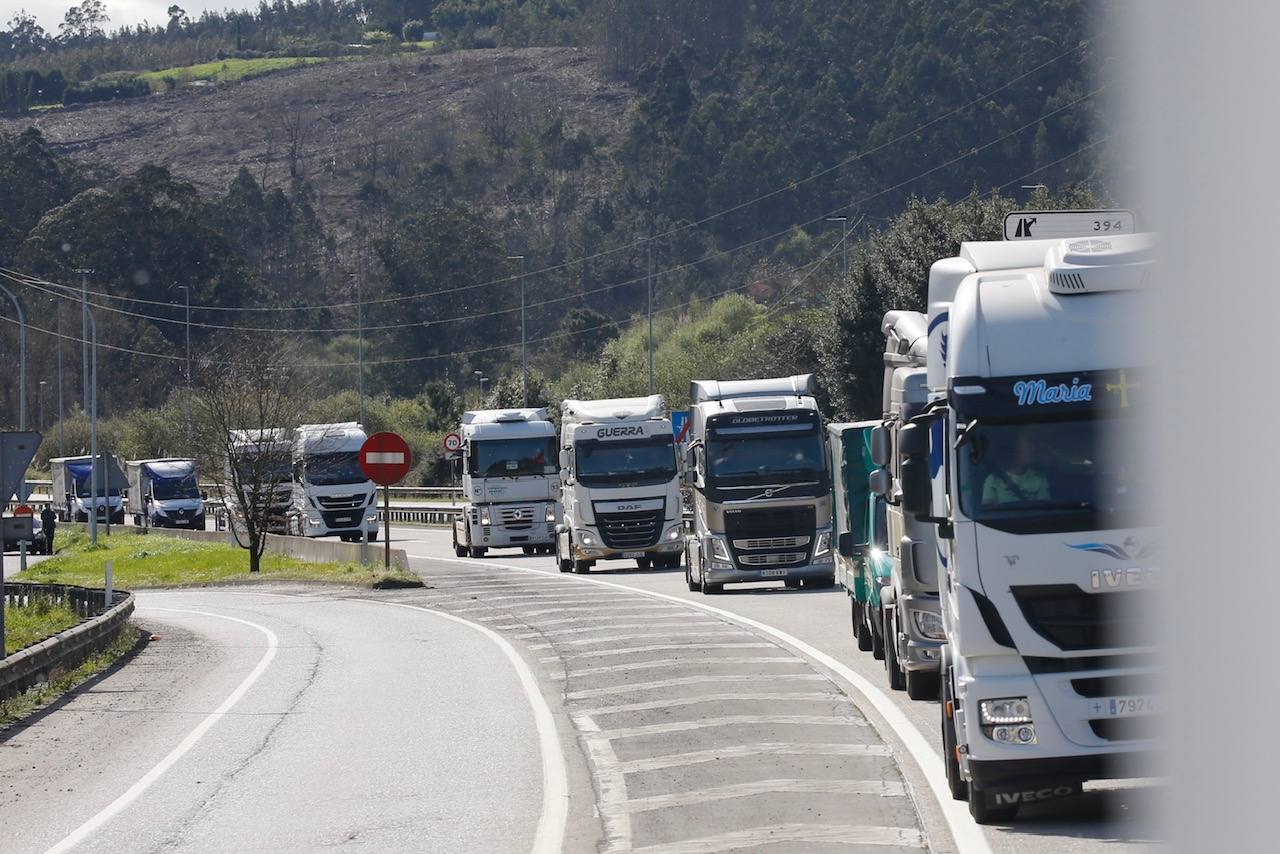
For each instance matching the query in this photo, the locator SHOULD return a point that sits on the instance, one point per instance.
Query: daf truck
(265, 459)
(510, 482)
(910, 616)
(1044, 549)
(620, 484)
(70, 491)
(761, 490)
(332, 496)
(164, 493)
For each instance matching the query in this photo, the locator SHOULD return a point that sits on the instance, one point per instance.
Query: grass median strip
(140, 561)
(29, 624)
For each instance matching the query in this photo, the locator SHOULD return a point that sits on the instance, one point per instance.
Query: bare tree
(246, 405)
(499, 111)
(296, 126)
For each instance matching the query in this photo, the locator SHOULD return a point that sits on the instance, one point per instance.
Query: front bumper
(496, 537)
(660, 550)
(1051, 771)
(719, 575)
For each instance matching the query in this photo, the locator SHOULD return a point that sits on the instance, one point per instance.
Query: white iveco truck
(265, 459)
(509, 482)
(1034, 382)
(757, 463)
(331, 494)
(911, 619)
(620, 485)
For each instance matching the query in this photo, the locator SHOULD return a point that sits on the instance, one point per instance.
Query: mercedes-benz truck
(910, 618)
(265, 459)
(332, 496)
(510, 482)
(757, 467)
(70, 491)
(164, 493)
(620, 484)
(1018, 461)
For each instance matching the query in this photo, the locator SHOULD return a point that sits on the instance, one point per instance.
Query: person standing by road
(48, 521)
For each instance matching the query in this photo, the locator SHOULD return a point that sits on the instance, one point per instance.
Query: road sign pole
(386, 526)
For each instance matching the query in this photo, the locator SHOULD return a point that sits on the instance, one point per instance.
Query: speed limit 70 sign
(452, 442)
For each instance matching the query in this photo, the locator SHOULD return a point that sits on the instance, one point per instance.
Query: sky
(49, 12)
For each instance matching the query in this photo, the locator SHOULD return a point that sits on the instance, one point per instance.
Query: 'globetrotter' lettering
(1038, 392)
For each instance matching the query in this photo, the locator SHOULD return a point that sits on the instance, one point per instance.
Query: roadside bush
(412, 31)
(376, 37)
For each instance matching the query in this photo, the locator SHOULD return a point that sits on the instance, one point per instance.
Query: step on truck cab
(1046, 552)
(757, 466)
(70, 490)
(164, 493)
(265, 460)
(863, 568)
(510, 482)
(331, 494)
(620, 484)
(910, 618)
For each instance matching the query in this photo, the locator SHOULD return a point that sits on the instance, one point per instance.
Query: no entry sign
(385, 458)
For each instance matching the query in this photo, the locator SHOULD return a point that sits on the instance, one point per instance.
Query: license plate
(773, 573)
(634, 555)
(1122, 707)
(182, 521)
(341, 519)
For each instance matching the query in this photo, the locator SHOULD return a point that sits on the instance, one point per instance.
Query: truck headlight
(928, 624)
(551, 513)
(822, 546)
(586, 538)
(1008, 720)
(720, 552)
(484, 519)
(672, 534)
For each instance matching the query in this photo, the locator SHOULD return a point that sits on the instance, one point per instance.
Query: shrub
(376, 37)
(106, 90)
(412, 31)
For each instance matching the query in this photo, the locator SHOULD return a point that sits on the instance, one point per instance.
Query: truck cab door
(856, 502)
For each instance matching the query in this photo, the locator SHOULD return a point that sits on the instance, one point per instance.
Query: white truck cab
(1044, 549)
(620, 484)
(164, 493)
(509, 482)
(331, 494)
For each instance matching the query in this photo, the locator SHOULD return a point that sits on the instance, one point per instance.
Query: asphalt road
(1113, 816)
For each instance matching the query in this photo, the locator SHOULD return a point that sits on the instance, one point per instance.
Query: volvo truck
(332, 496)
(164, 493)
(761, 489)
(620, 484)
(510, 482)
(265, 461)
(909, 622)
(1046, 553)
(70, 492)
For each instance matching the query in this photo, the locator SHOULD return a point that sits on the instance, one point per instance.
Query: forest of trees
(918, 122)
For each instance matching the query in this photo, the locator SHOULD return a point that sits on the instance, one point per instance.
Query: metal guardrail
(102, 623)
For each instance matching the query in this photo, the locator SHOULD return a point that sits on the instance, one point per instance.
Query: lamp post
(481, 379)
(355, 280)
(524, 358)
(844, 242)
(91, 337)
(62, 444)
(40, 401)
(84, 332)
(186, 292)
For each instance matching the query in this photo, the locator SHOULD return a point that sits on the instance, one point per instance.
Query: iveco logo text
(1027, 796)
(611, 432)
(1115, 579)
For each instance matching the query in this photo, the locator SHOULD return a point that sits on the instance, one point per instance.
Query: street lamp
(844, 242)
(186, 292)
(524, 358)
(355, 280)
(40, 400)
(481, 379)
(22, 359)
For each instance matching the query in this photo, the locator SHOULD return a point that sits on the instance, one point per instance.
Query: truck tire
(860, 632)
(644, 563)
(478, 551)
(984, 812)
(889, 632)
(709, 589)
(955, 782)
(581, 567)
(922, 685)
(458, 551)
(565, 565)
(877, 637)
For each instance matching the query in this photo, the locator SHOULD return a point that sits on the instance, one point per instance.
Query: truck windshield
(770, 458)
(170, 488)
(513, 457)
(273, 471)
(652, 458)
(82, 490)
(333, 469)
(1053, 475)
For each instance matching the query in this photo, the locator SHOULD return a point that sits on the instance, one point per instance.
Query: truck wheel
(877, 636)
(458, 551)
(860, 633)
(955, 782)
(478, 551)
(694, 586)
(581, 567)
(922, 685)
(984, 812)
(710, 589)
(564, 564)
(644, 563)
(897, 679)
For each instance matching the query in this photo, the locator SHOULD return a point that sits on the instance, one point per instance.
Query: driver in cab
(1019, 481)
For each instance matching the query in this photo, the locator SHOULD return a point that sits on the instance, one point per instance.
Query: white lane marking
(581, 630)
(595, 609)
(738, 751)
(111, 810)
(547, 597)
(968, 836)
(733, 720)
(666, 647)
(724, 632)
(549, 837)
(587, 617)
(666, 663)
(612, 785)
(637, 687)
(877, 788)
(729, 697)
(738, 840)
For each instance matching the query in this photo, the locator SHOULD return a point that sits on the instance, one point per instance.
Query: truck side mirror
(880, 482)
(913, 441)
(204, 494)
(845, 544)
(880, 449)
(917, 488)
(564, 459)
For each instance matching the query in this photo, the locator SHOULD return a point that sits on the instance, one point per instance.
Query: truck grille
(341, 502)
(516, 518)
(637, 530)
(770, 536)
(341, 518)
(1072, 619)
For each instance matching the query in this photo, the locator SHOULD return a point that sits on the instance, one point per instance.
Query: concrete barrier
(304, 548)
